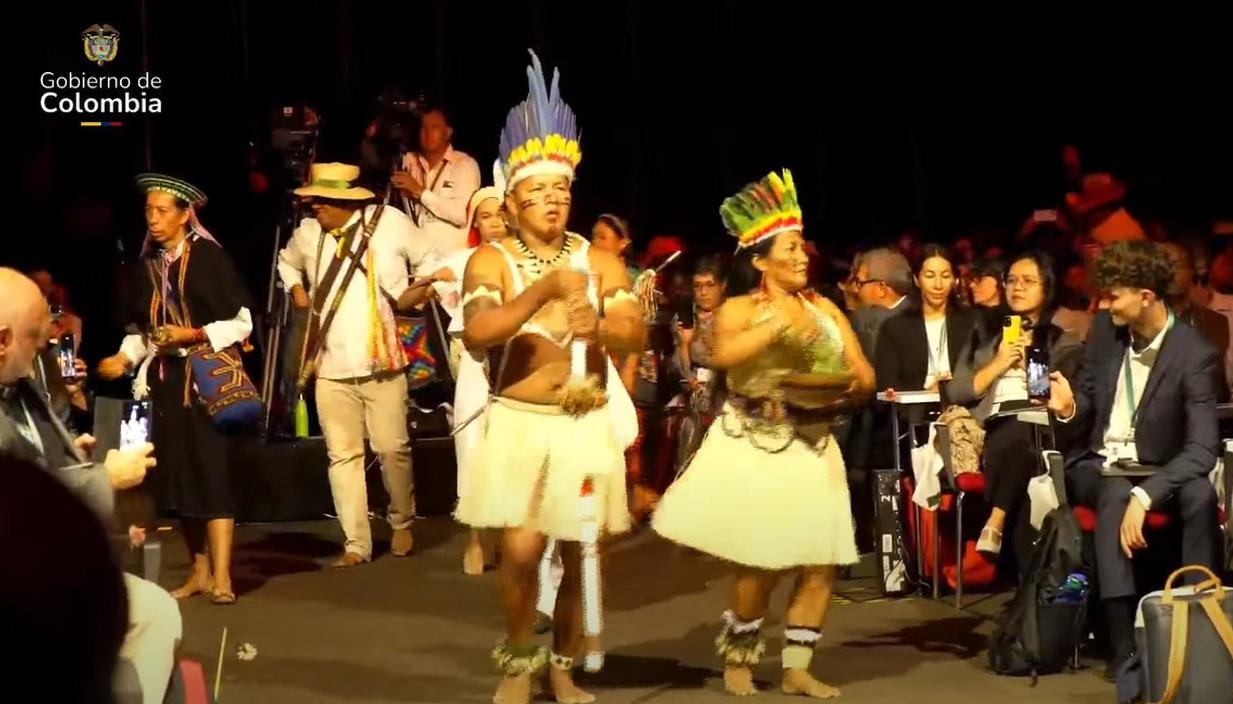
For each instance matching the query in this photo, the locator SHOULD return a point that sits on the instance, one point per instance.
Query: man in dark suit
(881, 281)
(880, 284)
(1145, 396)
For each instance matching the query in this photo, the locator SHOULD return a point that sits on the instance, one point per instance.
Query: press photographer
(437, 181)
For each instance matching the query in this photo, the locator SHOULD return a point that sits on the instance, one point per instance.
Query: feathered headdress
(541, 133)
(762, 210)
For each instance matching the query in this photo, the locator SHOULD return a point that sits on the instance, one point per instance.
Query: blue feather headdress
(541, 133)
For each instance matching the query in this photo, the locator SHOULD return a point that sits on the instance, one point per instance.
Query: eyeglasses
(860, 283)
(1016, 282)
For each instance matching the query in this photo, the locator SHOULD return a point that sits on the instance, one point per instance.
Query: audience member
(919, 347)
(1099, 209)
(31, 431)
(1208, 291)
(992, 378)
(63, 602)
(1073, 313)
(695, 340)
(882, 283)
(985, 282)
(1143, 399)
(1213, 326)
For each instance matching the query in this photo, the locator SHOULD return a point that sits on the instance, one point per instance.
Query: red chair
(960, 485)
(1155, 521)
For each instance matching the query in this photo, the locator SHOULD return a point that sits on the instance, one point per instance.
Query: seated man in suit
(32, 431)
(1145, 396)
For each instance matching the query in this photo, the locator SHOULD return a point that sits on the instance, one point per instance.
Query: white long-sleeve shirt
(442, 208)
(344, 354)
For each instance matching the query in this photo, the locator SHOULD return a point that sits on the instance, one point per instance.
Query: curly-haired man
(1144, 418)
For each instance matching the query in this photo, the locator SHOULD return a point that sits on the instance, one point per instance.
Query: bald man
(31, 431)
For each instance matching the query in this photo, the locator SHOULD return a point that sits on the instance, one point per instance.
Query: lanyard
(936, 356)
(1129, 384)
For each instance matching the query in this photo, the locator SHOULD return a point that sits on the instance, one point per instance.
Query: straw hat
(334, 181)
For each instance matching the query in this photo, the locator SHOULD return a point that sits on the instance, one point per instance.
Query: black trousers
(1009, 461)
(1195, 502)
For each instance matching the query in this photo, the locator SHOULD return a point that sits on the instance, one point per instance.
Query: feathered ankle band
(740, 643)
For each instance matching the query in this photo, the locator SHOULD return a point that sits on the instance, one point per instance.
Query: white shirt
(1119, 437)
(344, 354)
(939, 349)
(442, 209)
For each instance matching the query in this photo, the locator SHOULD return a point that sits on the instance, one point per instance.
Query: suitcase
(1184, 637)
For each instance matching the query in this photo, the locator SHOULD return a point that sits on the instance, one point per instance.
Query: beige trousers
(154, 629)
(376, 408)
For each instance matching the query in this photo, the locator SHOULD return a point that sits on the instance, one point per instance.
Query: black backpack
(1038, 633)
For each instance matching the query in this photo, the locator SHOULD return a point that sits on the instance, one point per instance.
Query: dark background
(948, 122)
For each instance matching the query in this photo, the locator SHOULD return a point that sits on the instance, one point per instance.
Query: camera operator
(438, 180)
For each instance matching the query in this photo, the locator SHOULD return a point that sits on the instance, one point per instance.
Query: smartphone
(1012, 327)
(134, 424)
(1038, 373)
(685, 313)
(68, 360)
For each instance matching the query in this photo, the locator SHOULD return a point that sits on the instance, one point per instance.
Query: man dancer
(356, 254)
(546, 431)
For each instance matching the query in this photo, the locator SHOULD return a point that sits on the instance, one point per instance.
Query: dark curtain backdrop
(949, 124)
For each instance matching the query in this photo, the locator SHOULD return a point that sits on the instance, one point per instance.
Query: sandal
(990, 542)
(221, 598)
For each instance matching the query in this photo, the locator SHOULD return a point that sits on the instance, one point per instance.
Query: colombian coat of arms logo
(100, 43)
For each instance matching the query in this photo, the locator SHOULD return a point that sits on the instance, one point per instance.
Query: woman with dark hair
(984, 282)
(188, 296)
(993, 378)
(611, 233)
(695, 343)
(767, 491)
(920, 347)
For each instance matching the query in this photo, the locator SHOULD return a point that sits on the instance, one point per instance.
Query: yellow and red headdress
(762, 210)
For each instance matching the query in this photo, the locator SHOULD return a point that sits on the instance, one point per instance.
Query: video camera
(293, 139)
(393, 132)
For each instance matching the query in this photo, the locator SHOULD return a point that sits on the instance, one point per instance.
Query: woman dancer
(767, 490)
(189, 294)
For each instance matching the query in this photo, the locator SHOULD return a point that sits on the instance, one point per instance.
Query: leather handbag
(1185, 641)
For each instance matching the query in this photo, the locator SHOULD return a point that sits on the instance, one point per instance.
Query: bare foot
(401, 542)
(797, 681)
(561, 686)
(473, 558)
(197, 583)
(514, 690)
(738, 681)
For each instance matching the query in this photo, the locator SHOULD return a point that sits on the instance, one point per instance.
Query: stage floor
(417, 629)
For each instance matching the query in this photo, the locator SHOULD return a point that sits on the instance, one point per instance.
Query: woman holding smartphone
(992, 377)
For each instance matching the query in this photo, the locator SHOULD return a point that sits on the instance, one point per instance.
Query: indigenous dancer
(188, 295)
(767, 489)
(528, 301)
(470, 368)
